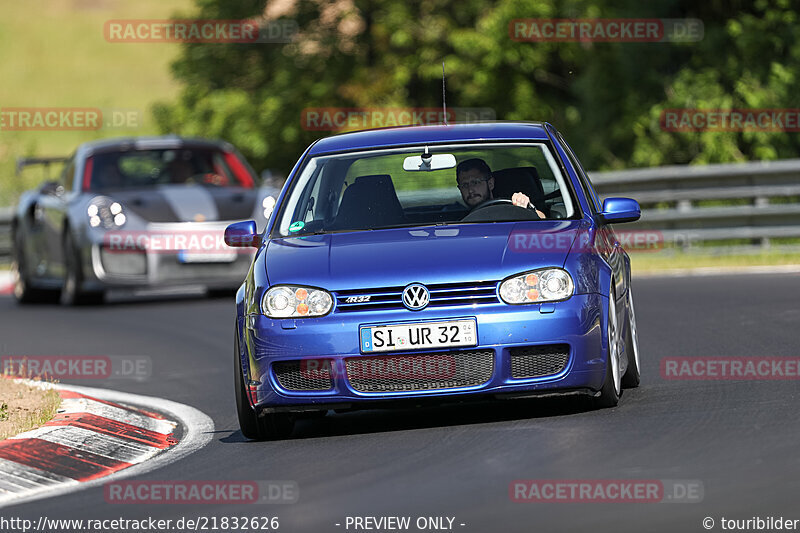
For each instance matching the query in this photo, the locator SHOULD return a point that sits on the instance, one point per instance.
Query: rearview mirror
(617, 210)
(429, 162)
(242, 235)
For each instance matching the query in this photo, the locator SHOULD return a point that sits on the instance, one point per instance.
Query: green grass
(648, 263)
(23, 407)
(644, 263)
(54, 54)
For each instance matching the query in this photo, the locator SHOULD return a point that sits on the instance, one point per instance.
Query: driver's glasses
(474, 182)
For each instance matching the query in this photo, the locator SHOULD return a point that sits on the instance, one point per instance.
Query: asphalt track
(738, 438)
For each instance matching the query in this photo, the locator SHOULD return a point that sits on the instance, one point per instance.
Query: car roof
(414, 135)
(149, 143)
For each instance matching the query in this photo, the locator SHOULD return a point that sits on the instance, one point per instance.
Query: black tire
(632, 375)
(272, 426)
(275, 426)
(23, 292)
(248, 421)
(609, 396)
(72, 292)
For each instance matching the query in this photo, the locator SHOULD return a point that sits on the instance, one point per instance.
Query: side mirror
(617, 210)
(242, 235)
(51, 188)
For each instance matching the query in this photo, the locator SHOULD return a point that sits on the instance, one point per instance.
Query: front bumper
(106, 266)
(577, 323)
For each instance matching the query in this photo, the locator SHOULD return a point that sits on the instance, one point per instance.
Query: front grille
(123, 262)
(537, 361)
(442, 294)
(168, 268)
(427, 371)
(304, 375)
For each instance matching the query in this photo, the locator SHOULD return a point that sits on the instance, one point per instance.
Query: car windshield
(471, 183)
(181, 166)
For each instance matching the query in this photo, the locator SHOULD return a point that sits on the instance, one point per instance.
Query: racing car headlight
(286, 301)
(545, 285)
(105, 212)
(268, 204)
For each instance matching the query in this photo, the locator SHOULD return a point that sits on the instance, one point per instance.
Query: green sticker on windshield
(297, 226)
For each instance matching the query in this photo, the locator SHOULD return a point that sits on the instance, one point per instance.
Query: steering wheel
(491, 202)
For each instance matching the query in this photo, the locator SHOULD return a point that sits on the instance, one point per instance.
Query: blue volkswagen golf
(433, 262)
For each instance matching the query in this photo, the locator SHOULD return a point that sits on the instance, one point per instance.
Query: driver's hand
(520, 199)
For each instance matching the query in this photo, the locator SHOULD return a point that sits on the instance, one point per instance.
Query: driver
(476, 183)
(180, 170)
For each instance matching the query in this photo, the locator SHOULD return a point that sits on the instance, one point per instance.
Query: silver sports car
(136, 213)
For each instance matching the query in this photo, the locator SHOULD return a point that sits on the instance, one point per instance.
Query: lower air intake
(538, 361)
(428, 371)
(304, 375)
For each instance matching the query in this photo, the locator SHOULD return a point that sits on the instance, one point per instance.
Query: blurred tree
(605, 97)
(748, 60)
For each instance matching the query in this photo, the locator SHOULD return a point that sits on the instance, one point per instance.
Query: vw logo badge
(416, 297)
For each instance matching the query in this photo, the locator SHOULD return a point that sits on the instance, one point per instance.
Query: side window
(310, 209)
(68, 175)
(586, 185)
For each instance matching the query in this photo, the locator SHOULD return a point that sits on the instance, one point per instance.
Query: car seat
(520, 179)
(370, 201)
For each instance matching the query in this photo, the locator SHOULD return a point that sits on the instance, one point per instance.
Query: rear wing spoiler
(23, 162)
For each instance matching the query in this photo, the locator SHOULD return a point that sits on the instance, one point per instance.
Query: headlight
(545, 285)
(103, 211)
(268, 204)
(287, 301)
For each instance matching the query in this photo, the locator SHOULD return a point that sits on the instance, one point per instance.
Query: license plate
(398, 337)
(206, 257)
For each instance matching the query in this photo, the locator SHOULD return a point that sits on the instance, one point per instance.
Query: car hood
(431, 254)
(187, 203)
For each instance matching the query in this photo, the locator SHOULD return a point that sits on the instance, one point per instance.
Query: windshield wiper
(348, 230)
